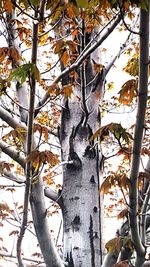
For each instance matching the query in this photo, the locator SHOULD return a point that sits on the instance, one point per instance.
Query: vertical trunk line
(100, 205)
(92, 242)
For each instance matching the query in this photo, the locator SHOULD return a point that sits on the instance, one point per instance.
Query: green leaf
(82, 3)
(35, 3)
(24, 71)
(35, 72)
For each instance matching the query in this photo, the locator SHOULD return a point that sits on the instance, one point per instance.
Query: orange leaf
(128, 92)
(58, 46)
(65, 58)
(8, 6)
(3, 53)
(67, 90)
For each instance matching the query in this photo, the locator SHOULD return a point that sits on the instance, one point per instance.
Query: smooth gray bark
(138, 135)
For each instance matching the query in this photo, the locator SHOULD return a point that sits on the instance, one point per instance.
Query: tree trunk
(81, 202)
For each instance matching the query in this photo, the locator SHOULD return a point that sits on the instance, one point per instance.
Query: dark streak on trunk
(92, 243)
(70, 260)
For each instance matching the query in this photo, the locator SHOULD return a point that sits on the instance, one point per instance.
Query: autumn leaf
(34, 158)
(65, 58)
(53, 89)
(114, 245)
(41, 129)
(128, 92)
(21, 133)
(67, 90)
(110, 86)
(71, 10)
(8, 6)
(14, 232)
(41, 157)
(116, 129)
(14, 54)
(132, 66)
(82, 3)
(3, 53)
(5, 166)
(4, 83)
(58, 46)
(123, 214)
(118, 178)
(121, 264)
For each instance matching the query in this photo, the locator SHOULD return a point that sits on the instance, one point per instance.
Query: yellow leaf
(114, 245)
(110, 86)
(21, 133)
(82, 3)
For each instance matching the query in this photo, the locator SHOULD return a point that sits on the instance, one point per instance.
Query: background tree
(51, 67)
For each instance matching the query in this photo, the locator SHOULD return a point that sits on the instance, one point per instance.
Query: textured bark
(81, 200)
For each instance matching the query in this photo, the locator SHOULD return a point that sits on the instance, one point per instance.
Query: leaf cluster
(119, 133)
(25, 71)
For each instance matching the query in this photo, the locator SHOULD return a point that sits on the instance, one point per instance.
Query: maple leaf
(128, 92)
(132, 66)
(24, 71)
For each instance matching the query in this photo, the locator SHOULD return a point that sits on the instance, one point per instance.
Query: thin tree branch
(28, 169)
(122, 47)
(79, 61)
(138, 134)
(11, 152)
(14, 177)
(145, 207)
(26, 259)
(7, 117)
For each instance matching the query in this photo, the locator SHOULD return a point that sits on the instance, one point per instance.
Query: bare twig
(28, 169)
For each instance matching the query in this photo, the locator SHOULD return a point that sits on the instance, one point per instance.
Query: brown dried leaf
(121, 264)
(122, 214)
(128, 92)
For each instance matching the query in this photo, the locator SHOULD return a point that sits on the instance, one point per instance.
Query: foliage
(25, 71)
(47, 53)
